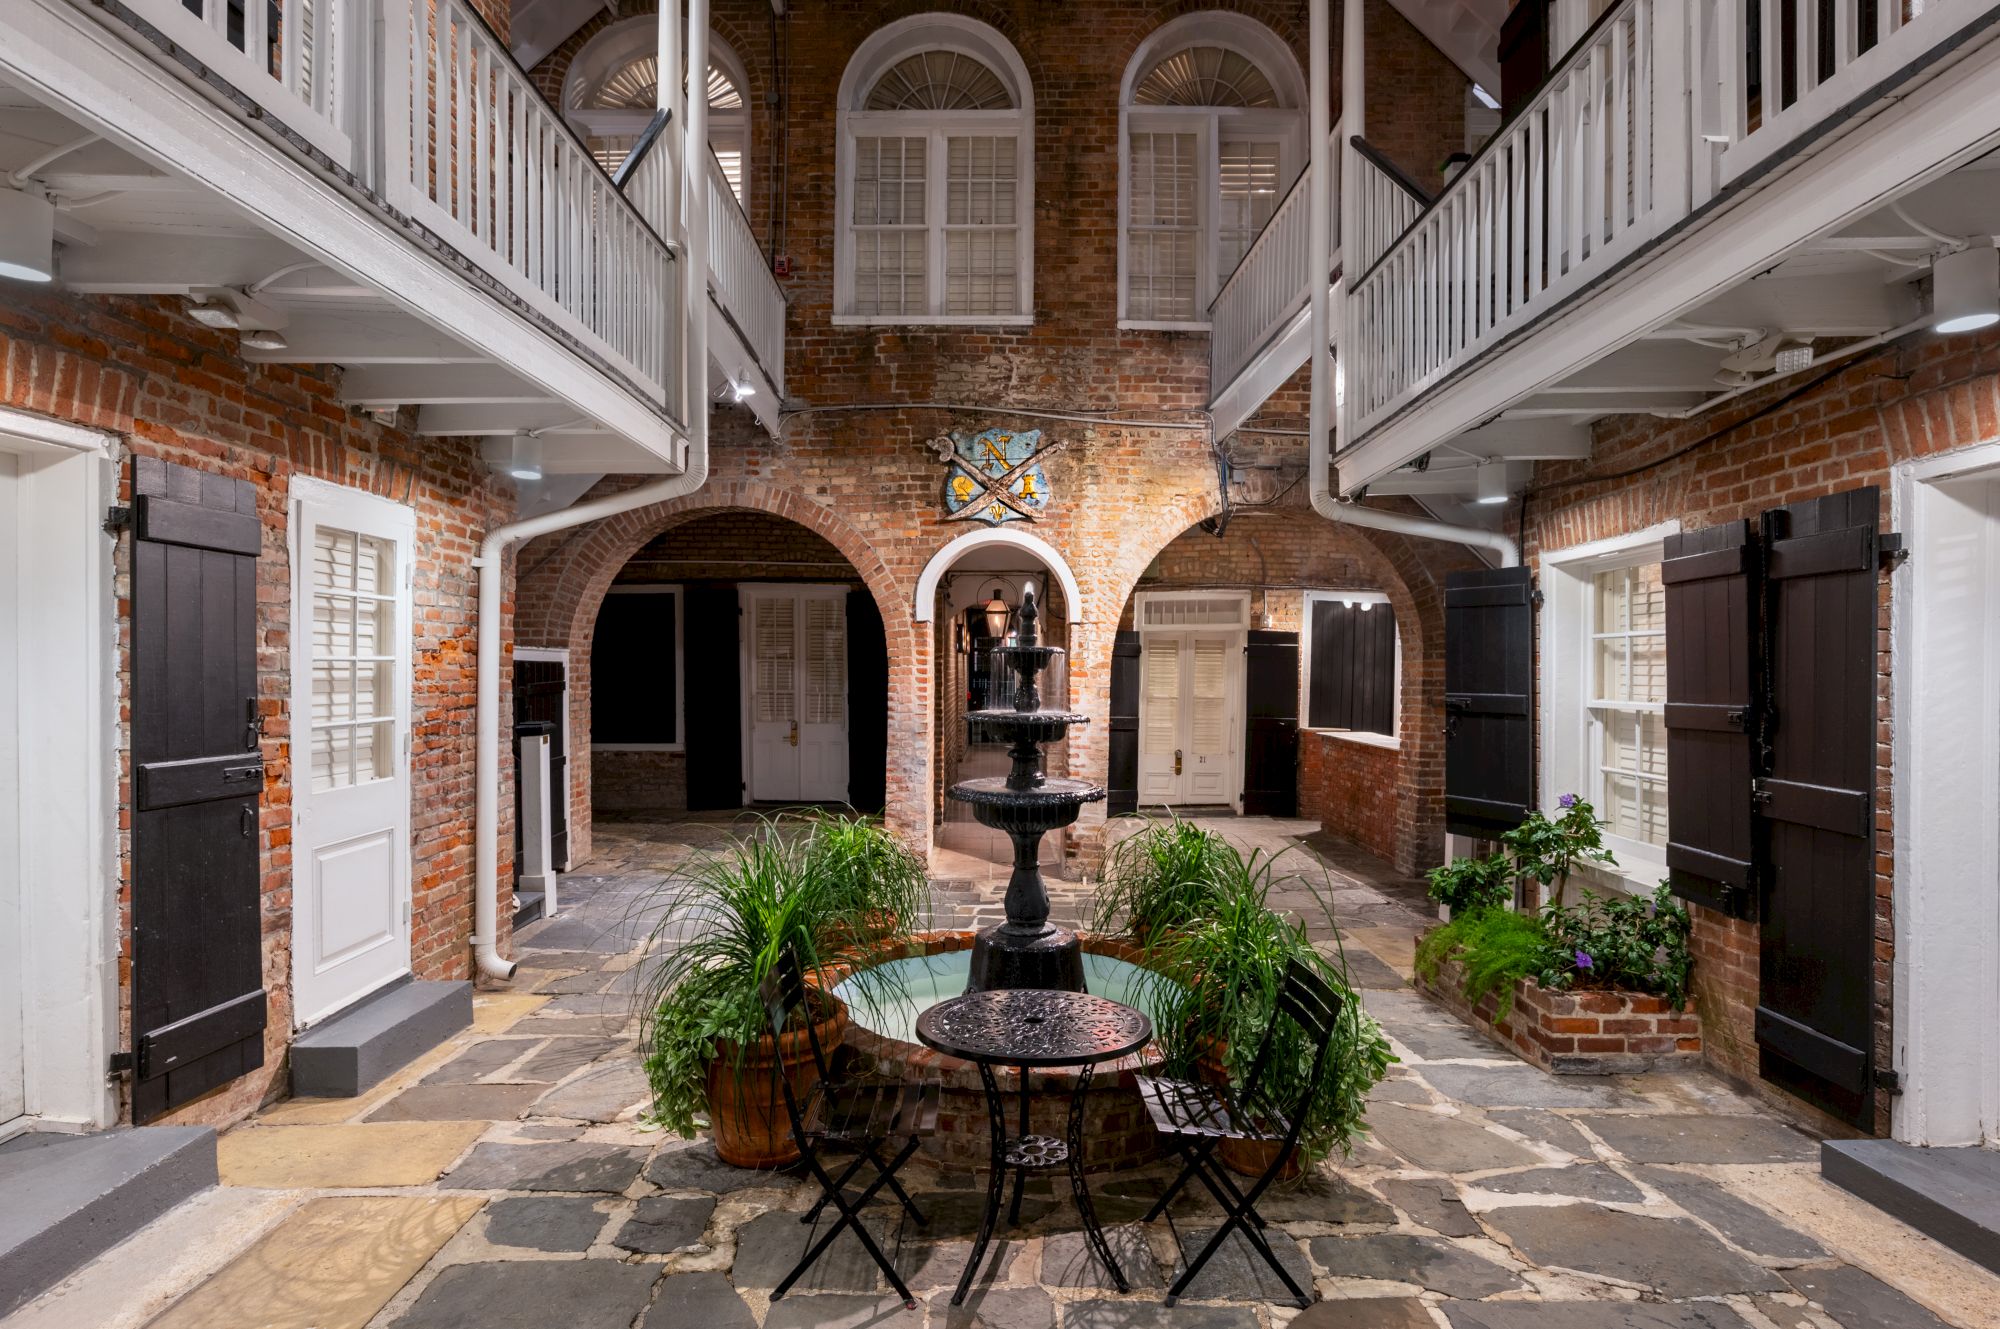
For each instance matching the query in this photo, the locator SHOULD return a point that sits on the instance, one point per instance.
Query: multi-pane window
(353, 588)
(936, 185)
(1627, 710)
(1210, 149)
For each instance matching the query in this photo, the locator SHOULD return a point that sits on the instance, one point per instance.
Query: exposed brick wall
(1577, 1033)
(1358, 791)
(172, 389)
(738, 546)
(1808, 438)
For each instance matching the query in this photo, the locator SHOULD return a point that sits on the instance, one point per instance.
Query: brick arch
(562, 580)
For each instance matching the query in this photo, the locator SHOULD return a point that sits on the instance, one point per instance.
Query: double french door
(1190, 708)
(796, 686)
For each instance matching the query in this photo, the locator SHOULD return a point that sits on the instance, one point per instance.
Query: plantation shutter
(1122, 795)
(1165, 228)
(1816, 998)
(1712, 648)
(1248, 189)
(1489, 629)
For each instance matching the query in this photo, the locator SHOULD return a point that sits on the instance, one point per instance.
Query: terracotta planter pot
(1246, 1158)
(746, 1109)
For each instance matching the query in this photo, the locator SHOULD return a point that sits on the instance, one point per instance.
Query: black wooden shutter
(1489, 665)
(1353, 684)
(540, 696)
(198, 1005)
(712, 701)
(1122, 784)
(1815, 1010)
(867, 704)
(1712, 580)
(1271, 741)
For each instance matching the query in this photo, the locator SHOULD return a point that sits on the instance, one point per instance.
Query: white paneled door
(795, 638)
(351, 635)
(1190, 708)
(12, 921)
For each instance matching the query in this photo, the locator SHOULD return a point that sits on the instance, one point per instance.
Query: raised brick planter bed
(1589, 1032)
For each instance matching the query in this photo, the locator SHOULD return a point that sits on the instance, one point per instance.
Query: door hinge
(122, 1063)
(117, 517)
(1890, 551)
(1889, 1082)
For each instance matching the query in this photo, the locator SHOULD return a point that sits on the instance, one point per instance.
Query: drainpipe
(492, 553)
(1320, 252)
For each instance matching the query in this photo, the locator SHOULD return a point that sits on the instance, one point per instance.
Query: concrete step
(528, 907)
(70, 1198)
(356, 1048)
(1952, 1195)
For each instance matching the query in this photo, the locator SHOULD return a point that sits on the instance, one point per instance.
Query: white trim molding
(1394, 738)
(27, 431)
(940, 563)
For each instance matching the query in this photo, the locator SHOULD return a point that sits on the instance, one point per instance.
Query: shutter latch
(1890, 550)
(117, 517)
(1739, 719)
(122, 1063)
(1760, 794)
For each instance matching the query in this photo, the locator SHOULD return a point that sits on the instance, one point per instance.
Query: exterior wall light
(1965, 289)
(998, 615)
(524, 456)
(27, 236)
(1492, 479)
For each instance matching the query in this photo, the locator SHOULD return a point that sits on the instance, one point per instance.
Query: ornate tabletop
(1033, 1027)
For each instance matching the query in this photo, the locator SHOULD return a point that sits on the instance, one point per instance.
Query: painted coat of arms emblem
(994, 475)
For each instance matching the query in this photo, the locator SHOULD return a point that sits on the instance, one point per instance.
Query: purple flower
(1567, 801)
(1583, 960)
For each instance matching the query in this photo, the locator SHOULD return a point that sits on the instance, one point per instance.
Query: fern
(1495, 947)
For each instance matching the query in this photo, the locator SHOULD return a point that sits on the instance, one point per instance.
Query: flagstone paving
(509, 1181)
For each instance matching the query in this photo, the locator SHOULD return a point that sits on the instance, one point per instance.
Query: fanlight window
(1205, 76)
(940, 81)
(613, 91)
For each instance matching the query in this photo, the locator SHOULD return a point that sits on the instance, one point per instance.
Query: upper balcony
(375, 184)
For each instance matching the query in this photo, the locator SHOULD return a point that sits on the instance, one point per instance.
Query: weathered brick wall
(1358, 791)
(1826, 431)
(1577, 1032)
(170, 388)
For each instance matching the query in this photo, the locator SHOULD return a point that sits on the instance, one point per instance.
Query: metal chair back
(1313, 1004)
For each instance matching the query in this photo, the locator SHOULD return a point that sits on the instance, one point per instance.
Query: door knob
(1177, 761)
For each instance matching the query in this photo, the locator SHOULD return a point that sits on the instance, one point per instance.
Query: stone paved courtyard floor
(507, 1181)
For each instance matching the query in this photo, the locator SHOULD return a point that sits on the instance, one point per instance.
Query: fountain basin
(933, 967)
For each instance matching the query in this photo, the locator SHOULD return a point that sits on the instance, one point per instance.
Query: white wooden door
(351, 634)
(12, 920)
(797, 682)
(1190, 698)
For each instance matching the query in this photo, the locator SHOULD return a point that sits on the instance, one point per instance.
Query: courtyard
(509, 1178)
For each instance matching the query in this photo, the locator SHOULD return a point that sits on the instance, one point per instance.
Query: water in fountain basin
(919, 982)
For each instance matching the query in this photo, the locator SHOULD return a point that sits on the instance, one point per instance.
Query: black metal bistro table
(1033, 1029)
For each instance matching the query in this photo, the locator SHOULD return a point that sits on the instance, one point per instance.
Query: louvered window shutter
(1712, 646)
(1489, 629)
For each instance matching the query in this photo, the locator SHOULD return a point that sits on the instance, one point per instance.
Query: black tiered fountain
(1027, 951)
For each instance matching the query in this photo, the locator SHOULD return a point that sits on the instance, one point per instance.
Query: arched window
(1214, 135)
(612, 89)
(936, 143)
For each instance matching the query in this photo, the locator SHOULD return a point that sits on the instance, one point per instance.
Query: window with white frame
(936, 192)
(1213, 138)
(612, 90)
(1627, 711)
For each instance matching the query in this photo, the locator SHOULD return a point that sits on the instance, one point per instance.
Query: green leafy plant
(1217, 981)
(725, 920)
(1550, 849)
(867, 870)
(1496, 947)
(1636, 942)
(1467, 884)
(1161, 877)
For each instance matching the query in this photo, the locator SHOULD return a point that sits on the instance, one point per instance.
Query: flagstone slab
(1545, 1126)
(695, 1166)
(663, 1224)
(698, 1301)
(1236, 1272)
(495, 1012)
(1440, 1042)
(1740, 1221)
(1437, 1142)
(331, 1265)
(383, 1153)
(593, 1003)
(1429, 1262)
(566, 984)
(1148, 1314)
(940, 1263)
(458, 1102)
(602, 1094)
(1591, 1315)
(995, 1308)
(1405, 1006)
(1520, 1085)
(958, 1213)
(1671, 1256)
(1318, 1197)
(1858, 1300)
(545, 1222)
(1583, 1181)
(481, 1060)
(534, 1294)
(1399, 1089)
(592, 1026)
(1365, 1313)
(769, 1246)
(561, 1056)
(1433, 1203)
(842, 1311)
(1069, 1261)
(1703, 1138)
(554, 1166)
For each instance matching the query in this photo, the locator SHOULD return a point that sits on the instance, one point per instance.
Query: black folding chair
(1199, 1117)
(862, 1114)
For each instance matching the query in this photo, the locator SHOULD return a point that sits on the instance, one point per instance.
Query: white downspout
(1320, 253)
(492, 553)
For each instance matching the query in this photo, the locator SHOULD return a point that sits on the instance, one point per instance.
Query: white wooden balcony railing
(1386, 203)
(1659, 107)
(1269, 287)
(740, 277)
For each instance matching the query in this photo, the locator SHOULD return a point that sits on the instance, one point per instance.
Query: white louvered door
(797, 684)
(1160, 717)
(1190, 706)
(351, 633)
